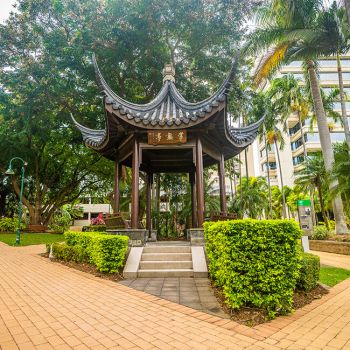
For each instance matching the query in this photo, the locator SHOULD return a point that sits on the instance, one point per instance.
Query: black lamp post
(10, 171)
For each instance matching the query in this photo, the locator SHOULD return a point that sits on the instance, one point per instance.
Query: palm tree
(253, 201)
(341, 170)
(335, 37)
(274, 136)
(290, 30)
(314, 176)
(347, 7)
(290, 98)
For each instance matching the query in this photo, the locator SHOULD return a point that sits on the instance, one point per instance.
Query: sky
(5, 9)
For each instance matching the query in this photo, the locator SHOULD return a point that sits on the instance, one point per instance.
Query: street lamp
(10, 171)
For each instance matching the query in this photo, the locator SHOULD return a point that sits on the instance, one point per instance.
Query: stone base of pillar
(152, 236)
(137, 237)
(196, 236)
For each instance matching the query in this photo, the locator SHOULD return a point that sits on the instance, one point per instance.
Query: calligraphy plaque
(168, 137)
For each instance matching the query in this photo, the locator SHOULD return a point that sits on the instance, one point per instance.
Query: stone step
(161, 265)
(165, 273)
(167, 249)
(166, 256)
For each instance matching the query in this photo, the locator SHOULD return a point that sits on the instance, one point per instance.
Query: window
(294, 129)
(337, 136)
(333, 76)
(297, 160)
(337, 105)
(272, 166)
(312, 137)
(327, 63)
(295, 64)
(296, 144)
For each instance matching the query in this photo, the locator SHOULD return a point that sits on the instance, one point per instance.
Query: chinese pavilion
(168, 134)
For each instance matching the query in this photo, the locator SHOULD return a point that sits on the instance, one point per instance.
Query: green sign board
(304, 203)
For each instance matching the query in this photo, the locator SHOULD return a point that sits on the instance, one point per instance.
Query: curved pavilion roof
(169, 110)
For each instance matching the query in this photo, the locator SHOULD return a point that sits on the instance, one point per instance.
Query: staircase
(166, 261)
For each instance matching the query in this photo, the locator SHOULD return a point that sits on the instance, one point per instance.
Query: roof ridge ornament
(169, 73)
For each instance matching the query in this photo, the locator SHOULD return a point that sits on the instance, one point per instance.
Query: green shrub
(9, 225)
(255, 262)
(320, 233)
(94, 228)
(64, 252)
(60, 221)
(108, 252)
(309, 272)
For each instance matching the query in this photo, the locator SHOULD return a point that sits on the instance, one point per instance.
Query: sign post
(305, 221)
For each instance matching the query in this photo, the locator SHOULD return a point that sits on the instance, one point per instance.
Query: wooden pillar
(193, 199)
(116, 187)
(135, 186)
(149, 202)
(199, 183)
(221, 172)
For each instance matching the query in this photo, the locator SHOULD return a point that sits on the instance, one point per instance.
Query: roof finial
(169, 73)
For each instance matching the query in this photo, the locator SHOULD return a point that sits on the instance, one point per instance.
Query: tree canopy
(46, 74)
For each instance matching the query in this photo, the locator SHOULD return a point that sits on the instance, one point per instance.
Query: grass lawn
(31, 238)
(331, 276)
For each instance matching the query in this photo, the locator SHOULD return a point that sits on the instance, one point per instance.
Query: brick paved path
(45, 305)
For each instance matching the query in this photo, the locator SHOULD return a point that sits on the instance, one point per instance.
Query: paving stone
(62, 308)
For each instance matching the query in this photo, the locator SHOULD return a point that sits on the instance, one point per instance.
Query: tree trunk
(347, 6)
(323, 210)
(302, 136)
(240, 186)
(314, 220)
(234, 181)
(326, 145)
(282, 185)
(231, 173)
(246, 165)
(268, 179)
(342, 101)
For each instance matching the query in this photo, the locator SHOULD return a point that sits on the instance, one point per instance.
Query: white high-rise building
(292, 156)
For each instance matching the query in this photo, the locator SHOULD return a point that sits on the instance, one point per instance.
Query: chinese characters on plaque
(169, 137)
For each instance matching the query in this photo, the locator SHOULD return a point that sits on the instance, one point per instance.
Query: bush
(309, 272)
(64, 252)
(255, 262)
(95, 228)
(106, 252)
(60, 221)
(9, 225)
(320, 233)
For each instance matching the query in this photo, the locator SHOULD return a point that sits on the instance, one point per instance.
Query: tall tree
(46, 74)
(314, 176)
(289, 30)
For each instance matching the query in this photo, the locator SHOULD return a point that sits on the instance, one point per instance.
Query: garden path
(45, 305)
(336, 260)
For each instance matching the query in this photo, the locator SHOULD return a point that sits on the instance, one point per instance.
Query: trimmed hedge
(309, 272)
(62, 251)
(94, 228)
(106, 252)
(255, 262)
